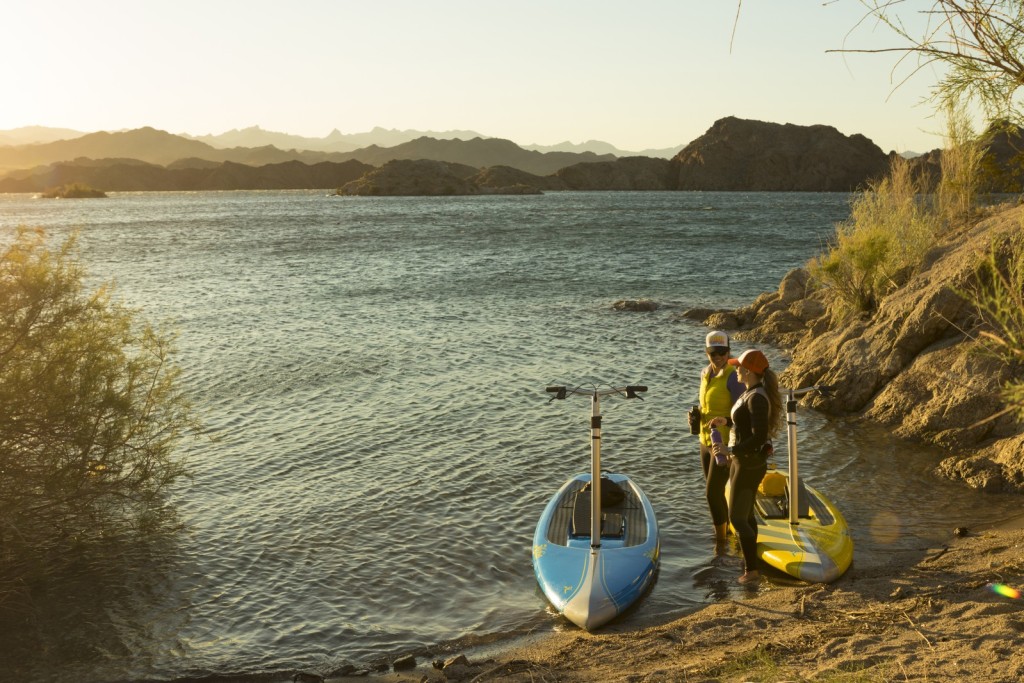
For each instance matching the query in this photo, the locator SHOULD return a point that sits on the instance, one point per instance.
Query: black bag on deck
(611, 493)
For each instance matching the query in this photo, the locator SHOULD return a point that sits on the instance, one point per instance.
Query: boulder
(642, 305)
(405, 663)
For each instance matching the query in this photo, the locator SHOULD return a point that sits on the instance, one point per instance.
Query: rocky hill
(28, 135)
(161, 148)
(335, 141)
(630, 173)
(479, 153)
(426, 177)
(915, 365)
(739, 154)
(129, 175)
(1002, 165)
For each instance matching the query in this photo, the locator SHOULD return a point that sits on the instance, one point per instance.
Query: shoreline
(926, 617)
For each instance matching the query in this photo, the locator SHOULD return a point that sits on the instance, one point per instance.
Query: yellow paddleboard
(818, 548)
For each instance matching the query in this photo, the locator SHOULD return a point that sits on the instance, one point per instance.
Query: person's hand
(718, 449)
(717, 422)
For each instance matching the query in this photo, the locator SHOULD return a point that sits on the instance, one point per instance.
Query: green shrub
(962, 169)
(92, 411)
(879, 246)
(998, 295)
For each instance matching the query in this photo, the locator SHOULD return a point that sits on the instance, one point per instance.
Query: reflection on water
(373, 373)
(92, 604)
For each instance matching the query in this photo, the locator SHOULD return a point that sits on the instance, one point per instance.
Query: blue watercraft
(595, 549)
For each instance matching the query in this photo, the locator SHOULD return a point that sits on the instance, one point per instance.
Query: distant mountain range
(336, 141)
(734, 154)
(31, 135)
(162, 148)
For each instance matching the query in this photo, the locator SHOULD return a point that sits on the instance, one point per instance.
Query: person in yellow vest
(720, 388)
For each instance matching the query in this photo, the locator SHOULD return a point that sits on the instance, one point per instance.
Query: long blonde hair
(770, 381)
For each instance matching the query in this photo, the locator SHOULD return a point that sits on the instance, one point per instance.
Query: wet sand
(935, 615)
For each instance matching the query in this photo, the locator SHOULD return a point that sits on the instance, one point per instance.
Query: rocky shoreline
(916, 366)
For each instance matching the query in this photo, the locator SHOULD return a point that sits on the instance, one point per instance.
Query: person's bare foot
(750, 577)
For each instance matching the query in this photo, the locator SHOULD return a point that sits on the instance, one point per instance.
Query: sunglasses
(717, 351)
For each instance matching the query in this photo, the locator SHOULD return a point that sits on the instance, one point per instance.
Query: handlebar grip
(633, 389)
(559, 392)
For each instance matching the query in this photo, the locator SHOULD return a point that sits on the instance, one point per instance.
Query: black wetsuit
(749, 463)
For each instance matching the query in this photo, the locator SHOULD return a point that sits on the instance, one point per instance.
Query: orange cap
(752, 360)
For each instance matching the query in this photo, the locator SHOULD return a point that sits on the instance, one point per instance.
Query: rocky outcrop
(412, 178)
(508, 180)
(74, 192)
(630, 173)
(915, 365)
(422, 177)
(1001, 168)
(126, 175)
(635, 305)
(738, 154)
(478, 153)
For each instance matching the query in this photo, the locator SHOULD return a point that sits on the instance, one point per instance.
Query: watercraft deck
(817, 548)
(627, 514)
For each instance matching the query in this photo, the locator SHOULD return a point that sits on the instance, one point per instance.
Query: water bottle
(716, 438)
(694, 419)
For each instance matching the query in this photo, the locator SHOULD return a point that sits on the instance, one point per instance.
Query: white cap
(716, 338)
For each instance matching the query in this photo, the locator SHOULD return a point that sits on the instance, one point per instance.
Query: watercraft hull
(818, 548)
(591, 586)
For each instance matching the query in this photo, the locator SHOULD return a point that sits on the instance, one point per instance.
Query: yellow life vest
(715, 401)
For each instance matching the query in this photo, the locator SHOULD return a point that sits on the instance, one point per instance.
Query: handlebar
(823, 389)
(630, 390)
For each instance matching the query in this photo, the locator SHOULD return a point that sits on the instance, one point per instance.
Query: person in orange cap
(755, 419)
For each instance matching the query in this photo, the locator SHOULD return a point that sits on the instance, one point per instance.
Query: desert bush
(963, 154)
(877, 248)
(998, 295)
(92, 409)
(894, 223)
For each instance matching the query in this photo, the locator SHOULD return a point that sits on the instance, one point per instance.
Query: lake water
(371, 372)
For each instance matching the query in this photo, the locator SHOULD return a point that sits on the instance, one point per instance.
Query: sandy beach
(940, 614)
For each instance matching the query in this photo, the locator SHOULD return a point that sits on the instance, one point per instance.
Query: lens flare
(1004, 590)
(885, 528)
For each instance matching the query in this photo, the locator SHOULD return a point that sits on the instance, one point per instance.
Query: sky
(642, 74)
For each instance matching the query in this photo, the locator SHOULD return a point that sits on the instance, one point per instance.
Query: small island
(73, 191)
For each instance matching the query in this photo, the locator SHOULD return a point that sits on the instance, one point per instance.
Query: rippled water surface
(372, 374)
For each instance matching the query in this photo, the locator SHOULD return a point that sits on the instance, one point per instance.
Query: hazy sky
(637, 74)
